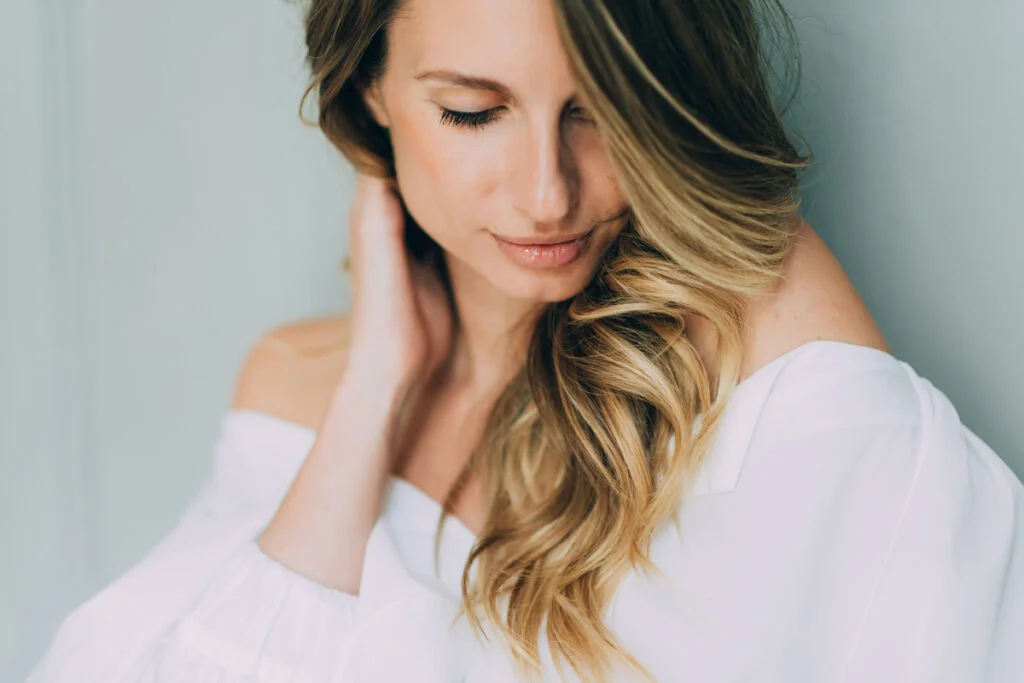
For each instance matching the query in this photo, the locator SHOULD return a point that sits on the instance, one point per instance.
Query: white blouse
(846, 526)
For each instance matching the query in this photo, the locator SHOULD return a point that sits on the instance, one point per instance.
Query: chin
(542, 287)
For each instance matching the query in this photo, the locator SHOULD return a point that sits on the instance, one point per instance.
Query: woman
(606, 408)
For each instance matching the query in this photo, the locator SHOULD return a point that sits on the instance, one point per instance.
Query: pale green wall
(161, 207)
(915, 112)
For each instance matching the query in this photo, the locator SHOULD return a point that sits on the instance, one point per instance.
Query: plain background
(161, 207)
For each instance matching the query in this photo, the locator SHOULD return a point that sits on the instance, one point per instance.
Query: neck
(494, 331)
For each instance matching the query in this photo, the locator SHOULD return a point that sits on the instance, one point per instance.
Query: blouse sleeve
(949, 604)
(207, 605)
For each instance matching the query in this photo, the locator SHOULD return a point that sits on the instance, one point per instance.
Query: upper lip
(542, 240)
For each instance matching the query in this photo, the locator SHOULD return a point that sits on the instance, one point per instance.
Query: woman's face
(495, 156)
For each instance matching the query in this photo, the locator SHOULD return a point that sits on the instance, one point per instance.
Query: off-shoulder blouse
(845, 526)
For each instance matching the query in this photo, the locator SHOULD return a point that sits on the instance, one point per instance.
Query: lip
(542, 241)
(544, 253)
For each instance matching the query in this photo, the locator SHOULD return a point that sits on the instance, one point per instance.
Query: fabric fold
(260, 622)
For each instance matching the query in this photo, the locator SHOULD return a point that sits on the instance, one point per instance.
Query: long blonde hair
(594, 443)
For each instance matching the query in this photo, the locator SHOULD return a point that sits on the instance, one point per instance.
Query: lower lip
(544, 256)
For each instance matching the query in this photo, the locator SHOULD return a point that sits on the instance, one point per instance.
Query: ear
(374, 100)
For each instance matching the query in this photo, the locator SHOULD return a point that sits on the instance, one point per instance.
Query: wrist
(364, 409)
(370, 387)
(374, 369)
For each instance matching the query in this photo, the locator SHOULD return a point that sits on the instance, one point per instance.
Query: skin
(538, 169)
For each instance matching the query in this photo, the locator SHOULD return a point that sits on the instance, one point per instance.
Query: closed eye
(468, 119)
(478, 119)
(582, 114)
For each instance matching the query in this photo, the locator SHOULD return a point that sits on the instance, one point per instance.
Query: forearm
(321, 527)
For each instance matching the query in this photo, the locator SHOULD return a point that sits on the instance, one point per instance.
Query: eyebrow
(466, 81)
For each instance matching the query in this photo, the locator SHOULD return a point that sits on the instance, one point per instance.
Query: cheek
(440, 178)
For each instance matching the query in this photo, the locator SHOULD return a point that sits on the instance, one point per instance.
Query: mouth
(544, 253)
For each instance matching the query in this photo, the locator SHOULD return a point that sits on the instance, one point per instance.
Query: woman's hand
(401, 329)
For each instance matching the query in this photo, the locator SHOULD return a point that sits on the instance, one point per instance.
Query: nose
(544, 181)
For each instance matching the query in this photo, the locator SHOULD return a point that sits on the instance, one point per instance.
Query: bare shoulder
(815, 301)
(292, 370)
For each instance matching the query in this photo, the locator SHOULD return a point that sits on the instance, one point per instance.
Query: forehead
(515, 42)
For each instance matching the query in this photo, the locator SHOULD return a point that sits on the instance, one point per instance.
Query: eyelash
(473, 120)
(467, 119)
